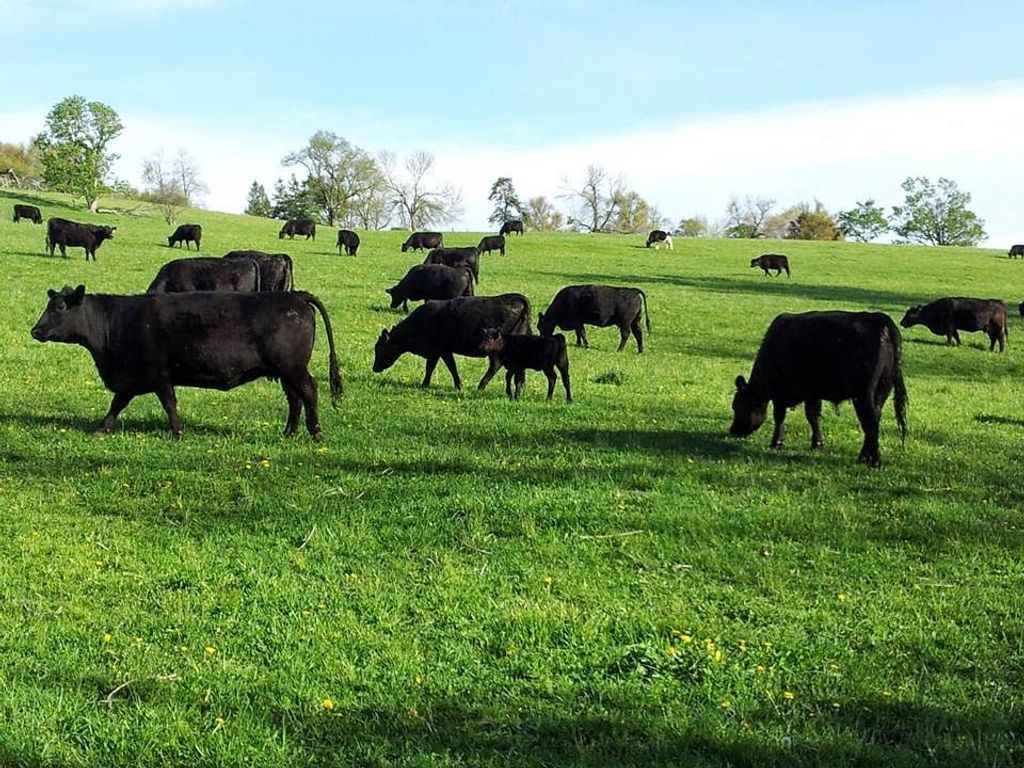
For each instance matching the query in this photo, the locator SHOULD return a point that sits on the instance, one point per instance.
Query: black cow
(602, 305)
(775, 261)
(1015, 250)
(944, 317)
(468, 257)
(64, 233)
(277, 273)
(439, 330)
(207, 274)
(294, 227)
(29, 212)
(519, 352)
(659, 236)
(509, 227)
(1021, 309)
(186, 233)
(423, 241)
(144, 344)
(348, 240)
(431, 281)
(492, 243)
(815, 356)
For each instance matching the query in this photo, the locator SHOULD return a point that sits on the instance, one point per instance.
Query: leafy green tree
(542, 216)
(73, 147)
(507, 205)
(695, 226)
(634, 214)
(21, 163)
(257, 203)
(936, 214)
(864, 222)
(340, 174)
(294, 200)
(816, 224)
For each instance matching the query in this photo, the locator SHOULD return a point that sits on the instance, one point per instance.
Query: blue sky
(525, 83)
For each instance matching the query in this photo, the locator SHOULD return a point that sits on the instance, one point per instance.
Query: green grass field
(455, 579)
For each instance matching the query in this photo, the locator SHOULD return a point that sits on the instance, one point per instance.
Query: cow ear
(389, 291)
(741, 383)
(384, 335)
(76, 296)
(51, 293)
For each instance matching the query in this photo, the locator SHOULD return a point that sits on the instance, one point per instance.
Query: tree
(163, 187)
(634, 215)
(339, 174)
(293, 200)
(542, 216)
(20, 162)
(816, 224)
(257, 203)
(186, 170)
(506, 202)
(415, 204)
(936, 214)
(372, 209)
(864, 222)
(748, 219)
(695, 226)
(596, 201)
(73, 147)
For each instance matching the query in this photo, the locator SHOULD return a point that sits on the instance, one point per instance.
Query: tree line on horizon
(344, 185)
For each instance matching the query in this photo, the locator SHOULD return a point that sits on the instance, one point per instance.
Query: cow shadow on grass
(860, 732)
(682, 442)
(21, 196)
(149, 425)
(761, 285)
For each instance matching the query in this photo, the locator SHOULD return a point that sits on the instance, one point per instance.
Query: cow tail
(899, 386)
(290, 280)
(334, 372)
(647, 317)
(256, 282)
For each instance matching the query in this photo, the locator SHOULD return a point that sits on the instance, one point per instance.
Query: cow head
(755, 262)
(170, 240)
(747, 413)
(492, 340)
(405, 246)
(395, 301)
(61, 320)
(385, 353)
(912, 317)
(104, 233)
(545, 327)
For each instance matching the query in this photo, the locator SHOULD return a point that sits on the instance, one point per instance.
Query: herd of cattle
(221, 322)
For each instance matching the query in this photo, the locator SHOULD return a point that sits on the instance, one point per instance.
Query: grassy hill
(454, 579)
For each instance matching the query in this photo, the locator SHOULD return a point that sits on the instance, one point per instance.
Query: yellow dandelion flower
(760, 669)
(265, 463)
(717, 656)
(745, 725)
(183, 648)
(726, 704)
(548, 580)
(841, 597)
(835, 705)
(327, 704)
(788, 695)
(107, 637)
(210, 650)
(419, 680)
(686, 638)
(671, 650)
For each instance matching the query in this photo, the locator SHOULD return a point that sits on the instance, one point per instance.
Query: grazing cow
(1016, 250)
(348, 240)
(944, 317)
(144, 344)
(775, 261)
(64, 233)
(294, 227)
(276, 269)
(207, 274)
(186, 233)
(519, 352)
(431, 282)
(602, 305)
(439, 330)
(29, 212)
(657, 236)
(815, 356)
(516, 225)
(468, 257)
(423, 241)
(492, 243)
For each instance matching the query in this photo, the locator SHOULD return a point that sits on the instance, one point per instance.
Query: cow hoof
(100, 431)
(318, 436)
(818, 445)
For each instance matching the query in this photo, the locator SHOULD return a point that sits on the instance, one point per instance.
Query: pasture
(454, 579)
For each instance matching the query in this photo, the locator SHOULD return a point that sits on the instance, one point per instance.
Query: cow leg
(63, 250)
(638, 334)
(582, 334)
(170, 403)
(405, 306)
(779, 435)
(429, 371)
(118, 404)
(294, 408)
(552, 380)
(449, 361)
(508, 384)
(812, 409)
(868, 415)
(623, 337)
(579, 337)
(520, 382)
(564, 370)
(493, 365)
